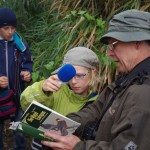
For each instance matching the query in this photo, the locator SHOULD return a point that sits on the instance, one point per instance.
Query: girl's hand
(51, 84)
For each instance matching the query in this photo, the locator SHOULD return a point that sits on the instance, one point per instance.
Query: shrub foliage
(52, 27)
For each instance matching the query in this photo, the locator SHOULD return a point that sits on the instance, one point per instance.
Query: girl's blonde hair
(95, 79)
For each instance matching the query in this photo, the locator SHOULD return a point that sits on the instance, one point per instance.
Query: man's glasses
(112, 45)
(79, 76)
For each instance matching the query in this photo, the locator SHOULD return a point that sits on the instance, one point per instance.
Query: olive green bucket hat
(127, 26)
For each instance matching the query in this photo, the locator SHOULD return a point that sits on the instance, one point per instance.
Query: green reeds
(52, 27)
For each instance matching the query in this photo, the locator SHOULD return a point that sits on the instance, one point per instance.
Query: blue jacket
(8, 56)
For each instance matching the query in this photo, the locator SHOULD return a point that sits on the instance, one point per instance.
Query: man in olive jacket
(122, 111)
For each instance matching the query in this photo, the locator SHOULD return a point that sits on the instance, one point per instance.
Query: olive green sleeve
(35, 92)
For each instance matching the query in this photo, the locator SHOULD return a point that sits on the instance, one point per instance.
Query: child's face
(7, 32)
(80, 83)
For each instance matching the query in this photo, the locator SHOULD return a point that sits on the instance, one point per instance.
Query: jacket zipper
(6, 54)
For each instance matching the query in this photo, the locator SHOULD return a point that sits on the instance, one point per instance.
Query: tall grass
(52, 27)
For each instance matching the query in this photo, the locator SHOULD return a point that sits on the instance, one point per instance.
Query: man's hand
(3, 82)
(25, 75)
(51, 84)
(62, 142)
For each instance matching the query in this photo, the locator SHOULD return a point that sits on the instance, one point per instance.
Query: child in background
(10, 46)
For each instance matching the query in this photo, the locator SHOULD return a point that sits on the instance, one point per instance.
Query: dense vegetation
(52, 27)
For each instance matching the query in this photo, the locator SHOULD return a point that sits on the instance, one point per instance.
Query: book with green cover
(38, 119)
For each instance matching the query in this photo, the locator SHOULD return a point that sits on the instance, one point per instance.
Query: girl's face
(80, 83)
(7, 32)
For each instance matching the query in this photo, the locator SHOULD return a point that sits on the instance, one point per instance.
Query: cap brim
(126, 36)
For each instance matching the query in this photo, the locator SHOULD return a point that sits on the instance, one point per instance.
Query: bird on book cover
(60, 126)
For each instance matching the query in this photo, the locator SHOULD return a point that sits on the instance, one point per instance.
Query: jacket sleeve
(27, 63)
(88, 114)
(34, 92)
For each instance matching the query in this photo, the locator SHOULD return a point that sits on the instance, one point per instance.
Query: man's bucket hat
(128, 26)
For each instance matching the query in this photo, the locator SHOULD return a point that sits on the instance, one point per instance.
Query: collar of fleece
(18, 41)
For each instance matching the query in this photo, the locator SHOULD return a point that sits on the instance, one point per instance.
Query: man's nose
(110, 53)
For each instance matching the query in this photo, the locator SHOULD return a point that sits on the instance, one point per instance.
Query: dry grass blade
(92, 37)
(77, 24)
